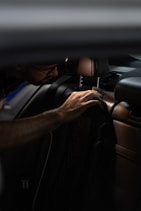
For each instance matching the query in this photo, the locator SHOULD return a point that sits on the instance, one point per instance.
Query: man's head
(37, 74)
(12, 77)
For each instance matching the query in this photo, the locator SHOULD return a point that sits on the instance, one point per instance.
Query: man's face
(39, 74)
(35, 74)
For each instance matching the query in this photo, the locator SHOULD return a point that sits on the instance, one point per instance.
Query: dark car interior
(94, 161)
(72, 168)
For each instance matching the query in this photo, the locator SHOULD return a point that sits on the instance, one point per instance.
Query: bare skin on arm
(21, 131)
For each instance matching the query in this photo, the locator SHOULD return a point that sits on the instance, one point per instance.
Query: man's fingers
(90, 103)
(90, 95)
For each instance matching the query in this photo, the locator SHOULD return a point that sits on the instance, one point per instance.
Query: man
(21, 131)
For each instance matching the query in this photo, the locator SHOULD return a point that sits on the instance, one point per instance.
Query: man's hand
(78, 102)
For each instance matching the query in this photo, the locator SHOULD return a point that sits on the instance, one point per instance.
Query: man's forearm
(22, 131)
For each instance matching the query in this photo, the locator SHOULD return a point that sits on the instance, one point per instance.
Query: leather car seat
(127, 122)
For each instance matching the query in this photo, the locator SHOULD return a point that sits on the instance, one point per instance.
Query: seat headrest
(129, 90)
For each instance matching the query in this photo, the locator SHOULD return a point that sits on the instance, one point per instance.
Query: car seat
(127, 122)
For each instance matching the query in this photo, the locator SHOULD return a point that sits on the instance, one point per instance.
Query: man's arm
(21, 131)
